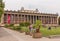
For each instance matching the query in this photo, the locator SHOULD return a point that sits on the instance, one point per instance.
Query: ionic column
(51, 20)
(48, 19)
(57, 21)
(18, 18)
(21, 18)
(14, 18)
(33, 19)
(41, 18)
(30, 18)
(24, 18)
(7, 18)
(27, 18)
(36, 17)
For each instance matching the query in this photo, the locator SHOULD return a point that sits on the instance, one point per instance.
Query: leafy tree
(21, 24)
(37, 25)
(6, 25)
(11, 25)
(24, 24)
(1, 9)
(27, 24)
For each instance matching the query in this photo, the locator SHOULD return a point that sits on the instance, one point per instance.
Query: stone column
(36, 17)
(14, 18)
(41, 19)
(33, 19)
(48, 19)
(57, 21)
(7, 19)
(51, 20)
(24, 18)
(18, 18)
(30, 18)
(27, 18)
(21, 18)
(44, 19)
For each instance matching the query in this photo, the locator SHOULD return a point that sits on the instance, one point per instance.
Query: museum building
(16, 17)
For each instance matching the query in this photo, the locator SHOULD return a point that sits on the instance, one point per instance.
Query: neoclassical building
(16, 17)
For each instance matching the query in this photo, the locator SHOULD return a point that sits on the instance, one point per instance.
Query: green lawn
(53, 31)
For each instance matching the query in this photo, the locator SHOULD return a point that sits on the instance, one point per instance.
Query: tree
(26, 24)
(1, 9)
(37, 25)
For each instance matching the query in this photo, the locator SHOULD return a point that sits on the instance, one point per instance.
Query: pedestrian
(30, 28)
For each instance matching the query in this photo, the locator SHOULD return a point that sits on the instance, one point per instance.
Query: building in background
(16, 17)
(59, 21)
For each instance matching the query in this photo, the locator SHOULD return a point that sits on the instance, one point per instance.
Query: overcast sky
(47, 6)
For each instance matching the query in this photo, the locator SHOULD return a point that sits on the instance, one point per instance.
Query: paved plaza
(11, 35)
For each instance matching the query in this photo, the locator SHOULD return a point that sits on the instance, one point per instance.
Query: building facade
(16, 17)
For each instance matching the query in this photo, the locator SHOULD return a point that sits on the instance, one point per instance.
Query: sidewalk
(23, 37)
(5, 36)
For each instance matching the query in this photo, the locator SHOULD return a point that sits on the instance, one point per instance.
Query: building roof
(36, 11)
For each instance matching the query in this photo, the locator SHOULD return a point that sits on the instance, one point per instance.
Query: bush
(11, 25)
(25, 24)
(23, 29)
(18, 28)
(38, 25)
(27, 29)
(6, 25)
(14, 28)
(21, 24)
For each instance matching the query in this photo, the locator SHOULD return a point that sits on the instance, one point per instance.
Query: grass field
(47, 32)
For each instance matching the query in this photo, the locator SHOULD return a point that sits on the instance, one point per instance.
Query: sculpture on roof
(22, 8)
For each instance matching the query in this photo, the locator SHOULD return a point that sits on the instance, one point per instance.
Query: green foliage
(54, 31)
(11, 25)
(23, 29)
(6, 25)
(27, 24)
(15, 28)
(18, 28)
(38, 24)
(24, 24)
(2, 5)
(21, 24)
(27, 29)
